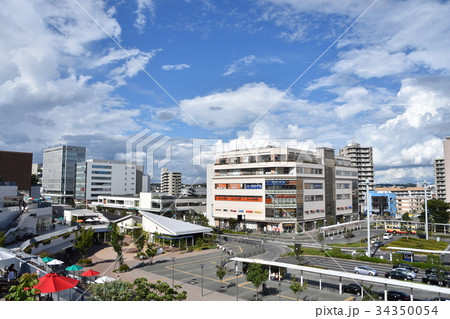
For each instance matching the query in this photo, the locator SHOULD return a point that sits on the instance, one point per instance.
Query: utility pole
(426, 210)
(368, 217)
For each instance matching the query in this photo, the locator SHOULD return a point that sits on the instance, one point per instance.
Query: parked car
(352, 288)
(397, 274)
(365, 270)
(378, 244)
(433, 279)
(406, 266)
(387, 236)
(394, 295)
(409, 272)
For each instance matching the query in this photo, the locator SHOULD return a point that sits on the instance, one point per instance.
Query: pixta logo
(141, 149)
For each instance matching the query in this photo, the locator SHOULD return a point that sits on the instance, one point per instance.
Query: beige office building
(282, 189)
(362, 159)
(447, 168)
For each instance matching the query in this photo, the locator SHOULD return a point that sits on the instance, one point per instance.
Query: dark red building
(16, 167)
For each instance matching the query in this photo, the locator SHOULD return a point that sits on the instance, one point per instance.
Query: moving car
(352, 288)
(433, 279)
(394, 295)
(436, 270)
(365, 270)
(398, 274)
(378, 244)
(409, 272)
(387, 236)
(406, 266)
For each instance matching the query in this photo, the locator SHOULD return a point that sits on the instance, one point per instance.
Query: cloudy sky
(188, 75)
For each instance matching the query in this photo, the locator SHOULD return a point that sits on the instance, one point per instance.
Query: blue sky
(95, 73)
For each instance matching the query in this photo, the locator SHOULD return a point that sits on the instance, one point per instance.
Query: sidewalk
(104, 260)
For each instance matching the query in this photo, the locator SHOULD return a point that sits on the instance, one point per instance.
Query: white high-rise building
(439, 178)
(362, 159)
(104, 177)
(447, 168)
(170, 182)
(58, 171)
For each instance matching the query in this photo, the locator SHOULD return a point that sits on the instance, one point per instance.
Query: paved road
(348, 266)
(189, 271)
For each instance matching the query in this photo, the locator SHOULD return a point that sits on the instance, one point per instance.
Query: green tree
(159, 291)
(139, 290)
(406, 217)
(34, 179)
(151, 251)
(116, 242)
(84, 239)
(348, 235)
(24, 291)
(111, 291)
(297, 287)
(298, 252)
(256, 275)
(139, 239)
(221, 272)
(321, 240)
(2, 239)
(437, 210)
(369, 294)
(232, 222)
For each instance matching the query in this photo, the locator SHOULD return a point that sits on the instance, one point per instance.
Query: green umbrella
(74, 268)
(47, 259)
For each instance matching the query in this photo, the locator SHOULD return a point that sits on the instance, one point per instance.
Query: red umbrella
(90, 273)
(53, 282)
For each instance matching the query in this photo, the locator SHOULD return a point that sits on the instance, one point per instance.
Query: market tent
(104, 279)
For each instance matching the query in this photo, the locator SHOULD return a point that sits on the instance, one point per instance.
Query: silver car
(408, 272)
(365, 270)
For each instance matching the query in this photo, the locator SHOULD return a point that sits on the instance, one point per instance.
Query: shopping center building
(282, 189)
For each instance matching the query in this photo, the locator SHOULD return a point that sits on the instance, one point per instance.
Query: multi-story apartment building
(104, 177)
(15, 167)
(170, 182)
(408, 200)
(439, 178)
(362, 159)
(58, 172)
(447, 168)
(281, 189)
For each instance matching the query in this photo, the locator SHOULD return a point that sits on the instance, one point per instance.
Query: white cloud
(53, 86)
(239, 64)
(145, 7)
(175, 67)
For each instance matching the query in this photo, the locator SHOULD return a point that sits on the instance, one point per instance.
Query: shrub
(46, 241)
(66, 235)
(36, 244)
(27, 250)
(123, 268)
(84, 262)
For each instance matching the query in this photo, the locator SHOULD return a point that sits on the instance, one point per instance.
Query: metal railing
(47, 236)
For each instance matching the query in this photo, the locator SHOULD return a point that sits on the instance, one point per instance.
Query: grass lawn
(351, 245)
(418, 243)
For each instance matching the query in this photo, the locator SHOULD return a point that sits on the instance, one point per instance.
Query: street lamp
(426, 210)
(202, 265)
(173, 271)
